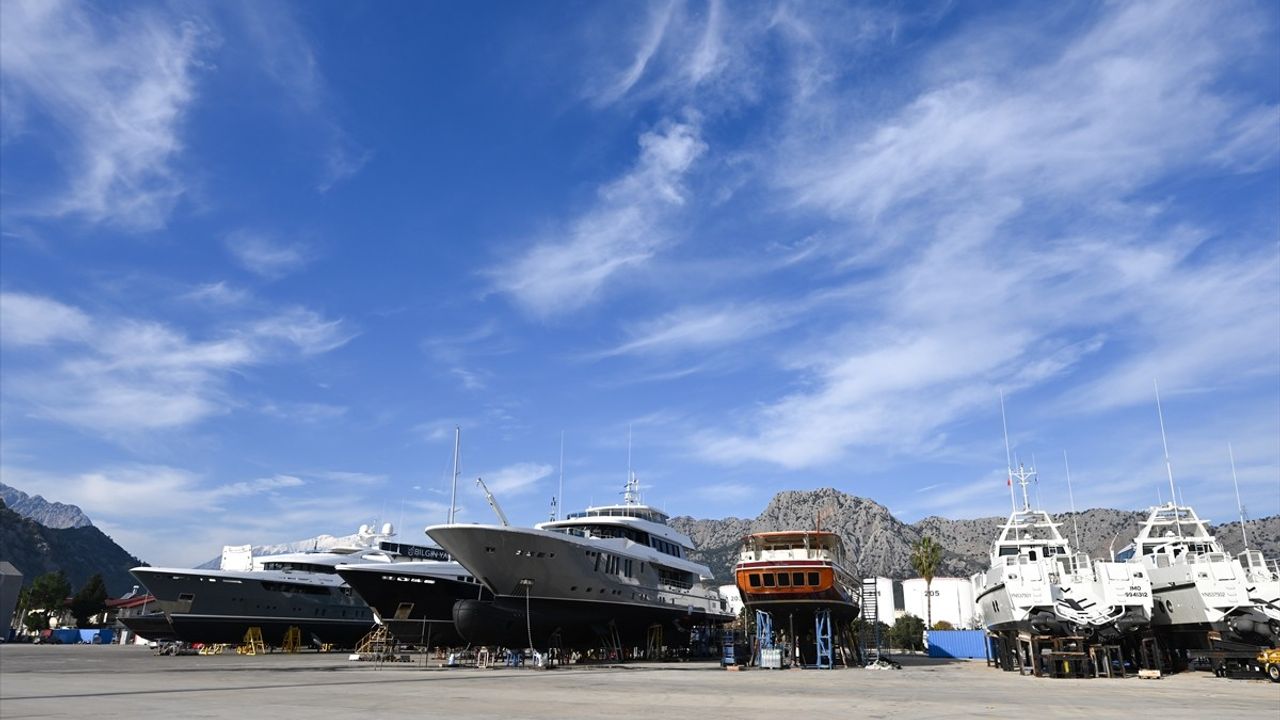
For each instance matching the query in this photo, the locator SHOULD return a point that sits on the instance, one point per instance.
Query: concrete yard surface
(87, 681)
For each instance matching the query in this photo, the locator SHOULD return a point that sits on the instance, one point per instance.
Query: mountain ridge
(80, 552)
(59, 516)
(879, 544)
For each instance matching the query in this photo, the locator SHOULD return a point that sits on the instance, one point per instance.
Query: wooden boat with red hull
(796, 572)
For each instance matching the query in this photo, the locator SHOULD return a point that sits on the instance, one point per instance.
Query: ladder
(374, 643)
(292, 639)
(252, 643)
(870, 636)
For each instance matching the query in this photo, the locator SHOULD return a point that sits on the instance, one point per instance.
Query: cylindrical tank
(952, 600)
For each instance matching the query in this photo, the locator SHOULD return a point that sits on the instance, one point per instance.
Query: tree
(91, 600)
(943, 625)
(907, 633)
(46, 597)
(925, 557)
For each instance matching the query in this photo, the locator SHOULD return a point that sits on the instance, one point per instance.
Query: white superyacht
(605, 577)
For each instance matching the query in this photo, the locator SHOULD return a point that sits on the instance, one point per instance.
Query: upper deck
(792, 545)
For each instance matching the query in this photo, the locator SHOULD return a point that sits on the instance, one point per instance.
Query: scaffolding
(764, 635)
(822, 634)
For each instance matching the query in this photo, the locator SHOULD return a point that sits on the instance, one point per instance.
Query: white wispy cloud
(306, 330)
(218, 294)
(515, 479)
(971, 291)
(695, 328)
(120, 375)
(135, 504)
(627, 225)
(307, 412)
(288, 57)
(116, 88)
(265, 256)
(33, 320)
(650, 37)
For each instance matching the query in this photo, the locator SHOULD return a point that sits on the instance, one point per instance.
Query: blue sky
(259, 259)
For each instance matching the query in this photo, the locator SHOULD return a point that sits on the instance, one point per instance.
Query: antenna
(1074, 523)
(1008, 454)
(1039, 504)
(1234, 481)
(560, 496)
(628, 452)
(1173, 493)
(453, 487)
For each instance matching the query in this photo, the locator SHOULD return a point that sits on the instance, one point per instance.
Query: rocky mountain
(880, 544)
(49, 514)
(78, 551)
(319, 542)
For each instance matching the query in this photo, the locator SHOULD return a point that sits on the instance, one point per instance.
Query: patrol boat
(1199, 588)
(1036, 584)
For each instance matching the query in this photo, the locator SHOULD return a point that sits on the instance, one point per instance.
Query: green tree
(943, 625)
(47, 595)
(91, 600)
(925, 557)
(907, 633)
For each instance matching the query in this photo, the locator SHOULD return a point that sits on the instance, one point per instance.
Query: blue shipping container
(958, 644)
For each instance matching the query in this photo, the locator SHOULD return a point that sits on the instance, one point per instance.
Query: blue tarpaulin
(957, 644)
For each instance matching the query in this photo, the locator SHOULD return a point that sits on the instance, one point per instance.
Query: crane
(493, 503)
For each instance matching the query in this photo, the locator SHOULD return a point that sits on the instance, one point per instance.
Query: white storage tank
(731, 594)
(952, 600)
(887, 605)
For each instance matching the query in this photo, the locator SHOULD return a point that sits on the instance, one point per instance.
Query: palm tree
(925, 556)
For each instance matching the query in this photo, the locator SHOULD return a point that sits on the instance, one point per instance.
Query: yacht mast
(560, 492)
(1239, 506)
(1168, 466)
(1075, 525)
(1008, 454)
(453, 486)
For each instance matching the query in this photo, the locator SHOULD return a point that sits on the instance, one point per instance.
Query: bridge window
(798, 579)
(753, 580)
(813, 579)
(769, 581)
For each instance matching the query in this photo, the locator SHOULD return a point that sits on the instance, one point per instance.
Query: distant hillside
(79, 552)
(880, 544)
(51, 515)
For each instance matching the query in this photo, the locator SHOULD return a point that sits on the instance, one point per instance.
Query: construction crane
(493, 503)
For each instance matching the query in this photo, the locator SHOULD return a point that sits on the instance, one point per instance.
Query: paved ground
(86, 681)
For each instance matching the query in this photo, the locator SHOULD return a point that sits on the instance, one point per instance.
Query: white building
(952, 600)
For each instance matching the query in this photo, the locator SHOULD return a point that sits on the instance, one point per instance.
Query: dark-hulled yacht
(274, 593)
